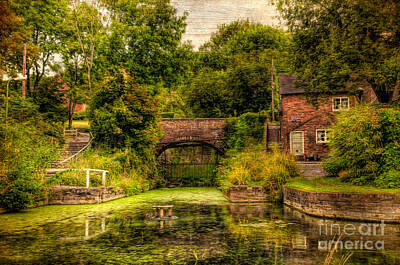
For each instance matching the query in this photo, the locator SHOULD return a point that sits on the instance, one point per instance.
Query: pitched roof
(287, 86)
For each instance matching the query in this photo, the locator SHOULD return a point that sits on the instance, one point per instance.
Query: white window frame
(341, 106)
(291, 149)
(326, 140)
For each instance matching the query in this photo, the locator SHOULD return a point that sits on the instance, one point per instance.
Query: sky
(204, 16)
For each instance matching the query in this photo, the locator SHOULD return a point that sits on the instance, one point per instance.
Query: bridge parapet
(209, 131)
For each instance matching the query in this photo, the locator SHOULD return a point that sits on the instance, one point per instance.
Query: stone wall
(177, 131)
(299, 115)
(246, 194)
(355, 206)
(83, 195)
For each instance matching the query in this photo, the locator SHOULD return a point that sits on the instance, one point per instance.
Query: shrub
(125, 115)
(245, 130)
(365, 148)
(79, 116)
(19, 191)
(27, 146)
(166, 115)
(256, 167)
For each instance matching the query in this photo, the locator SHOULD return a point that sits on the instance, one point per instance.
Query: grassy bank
(79, 124)
(333, 185)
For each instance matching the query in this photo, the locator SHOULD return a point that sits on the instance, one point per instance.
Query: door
(297, 143)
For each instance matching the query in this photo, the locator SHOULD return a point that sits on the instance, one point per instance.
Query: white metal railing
(88, 170)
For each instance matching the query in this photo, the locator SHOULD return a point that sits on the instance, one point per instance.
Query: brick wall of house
(299, 115)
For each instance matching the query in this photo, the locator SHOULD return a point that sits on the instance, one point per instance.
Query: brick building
(304, 127)
(63, 88)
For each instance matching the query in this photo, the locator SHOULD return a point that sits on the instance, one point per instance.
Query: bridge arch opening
(185, 143)
(191, 163)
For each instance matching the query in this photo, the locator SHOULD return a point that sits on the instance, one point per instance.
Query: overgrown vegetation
(125, 114)
(340, 43)
(365, 149)
(126, 170)
(257, 167)
(232, 75)
(28, 145)
(246, 130)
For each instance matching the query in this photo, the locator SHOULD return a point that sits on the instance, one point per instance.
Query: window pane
(319, 134)
(336, 103)
(345, 103)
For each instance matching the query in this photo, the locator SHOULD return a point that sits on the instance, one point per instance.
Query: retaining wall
(354, 206)
(83, 195)
(246, 194)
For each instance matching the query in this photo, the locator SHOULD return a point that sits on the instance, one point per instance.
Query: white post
(103, 179)
(87, 178)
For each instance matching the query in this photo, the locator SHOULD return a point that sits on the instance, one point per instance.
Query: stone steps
(311, 170)
(73, 146)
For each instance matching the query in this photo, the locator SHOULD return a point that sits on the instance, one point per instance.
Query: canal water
(204, 16)
(207, 230)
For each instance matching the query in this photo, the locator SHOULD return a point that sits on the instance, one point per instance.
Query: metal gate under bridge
(192, 164)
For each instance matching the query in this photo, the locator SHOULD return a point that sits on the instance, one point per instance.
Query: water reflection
(87, 235)
(202, 234)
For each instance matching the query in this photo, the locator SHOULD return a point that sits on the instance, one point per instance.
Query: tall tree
(342, 42)
(145, 38)
(124, 114)
(45, 20)
(11, 37)
(233, 74)
(72, 77)
(87, 25)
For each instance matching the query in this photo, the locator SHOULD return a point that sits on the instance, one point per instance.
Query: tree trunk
(70, 113)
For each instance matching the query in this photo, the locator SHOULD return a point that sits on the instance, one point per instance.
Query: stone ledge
(246, 194)
(82, 195)
(353, 206)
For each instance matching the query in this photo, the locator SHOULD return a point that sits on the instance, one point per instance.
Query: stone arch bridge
(207, 131)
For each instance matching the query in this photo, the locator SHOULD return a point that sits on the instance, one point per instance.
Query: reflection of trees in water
(215, 234)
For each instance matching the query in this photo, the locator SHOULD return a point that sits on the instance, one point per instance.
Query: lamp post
(8, 79)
